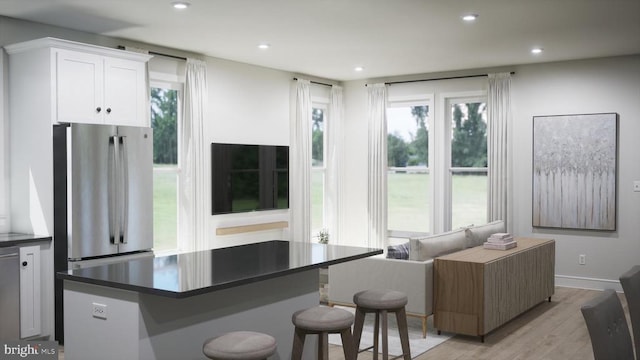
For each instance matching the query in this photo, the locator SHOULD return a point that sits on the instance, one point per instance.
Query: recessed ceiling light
(470, 17)
(180, 5)
(264, 46)
(537, 50)
(358, 68)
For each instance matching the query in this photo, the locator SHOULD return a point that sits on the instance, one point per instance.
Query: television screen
(249, 177)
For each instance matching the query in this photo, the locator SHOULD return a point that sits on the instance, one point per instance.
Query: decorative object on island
(500, 241)
(323, 236)
(574, 171)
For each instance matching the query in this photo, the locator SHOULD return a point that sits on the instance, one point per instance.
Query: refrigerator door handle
(113, 187)
(124, 190)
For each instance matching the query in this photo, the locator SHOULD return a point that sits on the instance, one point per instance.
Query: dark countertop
(16, 239)
(200, 272)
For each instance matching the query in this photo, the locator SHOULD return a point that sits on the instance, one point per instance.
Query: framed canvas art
(574, 171)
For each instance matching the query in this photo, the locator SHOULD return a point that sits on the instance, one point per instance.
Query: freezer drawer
(10, 290)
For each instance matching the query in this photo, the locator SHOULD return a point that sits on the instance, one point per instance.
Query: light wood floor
(551, 330)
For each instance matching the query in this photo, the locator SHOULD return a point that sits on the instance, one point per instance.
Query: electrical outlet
(582, 259)
(636, 186)
(99, 311)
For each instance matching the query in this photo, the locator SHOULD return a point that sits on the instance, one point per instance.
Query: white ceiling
(328, 38)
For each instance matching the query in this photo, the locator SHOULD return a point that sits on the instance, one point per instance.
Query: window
(317, 167)
(408, 180)
(165, 117)
(437, 164)
(468, 166)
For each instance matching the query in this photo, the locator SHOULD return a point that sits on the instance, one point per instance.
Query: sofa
(411, 273)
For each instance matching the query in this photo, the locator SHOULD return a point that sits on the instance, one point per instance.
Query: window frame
(172, 83)
(440, 140)
(409, 101)
(320, 103)
(448, 100)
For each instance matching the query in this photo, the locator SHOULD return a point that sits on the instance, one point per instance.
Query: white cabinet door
(30, 301)
(79, 87)
(125, 92)
(95, 89)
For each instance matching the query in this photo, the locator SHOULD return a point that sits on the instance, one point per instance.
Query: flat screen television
(249, 178)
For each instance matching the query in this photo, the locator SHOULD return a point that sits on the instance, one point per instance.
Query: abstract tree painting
(574, 171)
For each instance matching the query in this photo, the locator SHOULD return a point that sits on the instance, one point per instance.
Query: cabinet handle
(98, 109)
(108, 110)
(24, 263)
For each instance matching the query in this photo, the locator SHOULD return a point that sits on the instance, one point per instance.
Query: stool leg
(385, 339)
(348, 346)
(357, 328)
(376, 330)
(298, 344)
(401, 318)
(323, 346)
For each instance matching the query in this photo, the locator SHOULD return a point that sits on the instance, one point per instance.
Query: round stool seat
(380, 299)
(322, 318)
(240, 345)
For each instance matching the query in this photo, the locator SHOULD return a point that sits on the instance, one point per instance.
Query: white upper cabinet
(89, 84)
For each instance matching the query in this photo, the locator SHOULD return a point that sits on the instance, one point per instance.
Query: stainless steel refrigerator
(103, 197)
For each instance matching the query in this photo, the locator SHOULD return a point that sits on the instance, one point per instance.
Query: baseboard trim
(587, 283)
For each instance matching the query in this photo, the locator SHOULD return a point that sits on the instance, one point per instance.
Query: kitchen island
(166, 307)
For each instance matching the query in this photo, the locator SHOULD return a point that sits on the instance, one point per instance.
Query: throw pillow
(429, 247)
(398, 251)
(477, 235)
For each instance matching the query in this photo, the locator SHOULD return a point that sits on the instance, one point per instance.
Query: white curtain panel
(334, 172)
(499, 157)
(300, 164)
(193, 196)
(377, 183)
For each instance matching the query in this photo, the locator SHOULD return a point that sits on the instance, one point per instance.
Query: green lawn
(409, 201)
(165, 224)
(408, 197)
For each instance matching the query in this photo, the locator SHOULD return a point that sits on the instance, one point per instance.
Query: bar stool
(381, 302)
(323, 320)
(240, 345)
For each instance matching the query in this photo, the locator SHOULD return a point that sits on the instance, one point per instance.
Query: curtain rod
(159, 54)
(434, 79)
(315, 82)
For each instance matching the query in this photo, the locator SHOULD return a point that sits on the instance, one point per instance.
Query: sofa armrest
(414, 278)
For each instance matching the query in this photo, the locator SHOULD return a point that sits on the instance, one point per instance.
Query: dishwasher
(10, 293)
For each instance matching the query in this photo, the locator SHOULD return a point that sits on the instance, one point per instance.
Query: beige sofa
(413, 276)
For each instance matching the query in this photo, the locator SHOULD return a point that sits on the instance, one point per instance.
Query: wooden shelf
(230, 230)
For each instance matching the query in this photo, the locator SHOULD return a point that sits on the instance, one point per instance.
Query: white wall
(572, 87)
(247, 105)
(582, 87)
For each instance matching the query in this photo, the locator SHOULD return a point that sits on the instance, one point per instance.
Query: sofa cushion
(436, 245)
(400, 251)
(477, 235)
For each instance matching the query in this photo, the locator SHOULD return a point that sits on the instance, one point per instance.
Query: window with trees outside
(165, 117)
(408, 178)
(468, 168)
(437, 165)
(317, 168)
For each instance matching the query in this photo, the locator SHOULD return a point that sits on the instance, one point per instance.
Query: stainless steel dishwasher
(10, 293)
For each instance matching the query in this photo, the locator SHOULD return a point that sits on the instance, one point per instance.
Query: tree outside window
(317, 169)
(164, 121)
(468, 163)
(408, 179)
